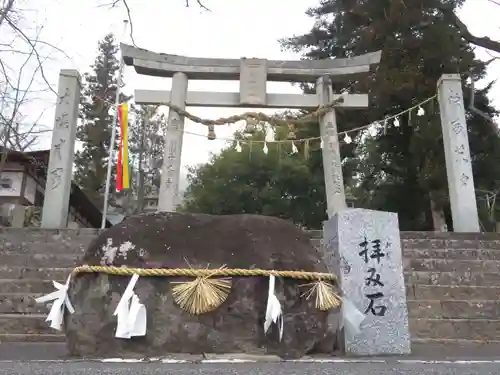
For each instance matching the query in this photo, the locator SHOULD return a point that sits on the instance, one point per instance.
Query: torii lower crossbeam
(232, 100)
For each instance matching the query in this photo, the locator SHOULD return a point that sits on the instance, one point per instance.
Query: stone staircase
(29, 261)
(452, 286)
(452, 283)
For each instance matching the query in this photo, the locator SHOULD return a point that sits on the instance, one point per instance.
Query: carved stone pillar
(456, 149)
(171, 169)
(60, 169)
(332, 163)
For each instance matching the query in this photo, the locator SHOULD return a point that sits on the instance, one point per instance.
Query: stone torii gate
(253, 75)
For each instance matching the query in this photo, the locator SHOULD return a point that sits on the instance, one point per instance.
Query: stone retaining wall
(70, 241)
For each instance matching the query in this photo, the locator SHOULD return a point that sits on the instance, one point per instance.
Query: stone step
(436, 240)
(452, 265)
(46, 241)
(434, 243)
(461, 254)
(484, 279)
(22, 303)
(25, 324)
(29, 337)
(452, 292)
(467, 329)
(453, 349)
(448, 240)
(57, 274)
(39, 260)
(27, 286)
(485, 309)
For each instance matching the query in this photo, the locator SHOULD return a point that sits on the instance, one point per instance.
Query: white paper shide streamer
(274, 313)
(61, 301)
(130, 313)
(352, 318)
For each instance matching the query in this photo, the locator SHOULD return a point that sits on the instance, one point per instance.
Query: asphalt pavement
(58, 351)
(286, 368)
(52, 359)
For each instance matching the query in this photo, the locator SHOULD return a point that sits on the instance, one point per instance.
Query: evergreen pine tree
(403, 170)
(96, 114)
(146, 149)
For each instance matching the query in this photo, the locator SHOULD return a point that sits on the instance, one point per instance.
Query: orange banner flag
(122, 173)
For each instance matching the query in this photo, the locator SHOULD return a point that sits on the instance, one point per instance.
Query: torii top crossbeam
(165, 65)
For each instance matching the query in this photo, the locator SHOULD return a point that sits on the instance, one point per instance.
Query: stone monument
(363, 248)
(457, 154)
(60, 168)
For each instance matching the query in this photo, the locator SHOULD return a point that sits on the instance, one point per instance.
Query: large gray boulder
(174, 240)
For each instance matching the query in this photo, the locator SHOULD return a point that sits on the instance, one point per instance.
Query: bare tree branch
(6, 9)
(129, 16)
(200, 4)
(116, 3)
(35, 52)
(21, 65)
(465, 33)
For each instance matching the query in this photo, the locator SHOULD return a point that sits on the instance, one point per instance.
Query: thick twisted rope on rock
(211, 287)
(191, 272)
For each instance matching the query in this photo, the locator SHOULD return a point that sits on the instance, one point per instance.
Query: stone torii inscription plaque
(253, 82)
(253, 75)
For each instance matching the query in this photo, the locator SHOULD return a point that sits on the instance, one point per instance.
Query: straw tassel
(325, 296)
(202, 294)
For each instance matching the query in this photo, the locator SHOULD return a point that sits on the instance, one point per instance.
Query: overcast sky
(233, 29)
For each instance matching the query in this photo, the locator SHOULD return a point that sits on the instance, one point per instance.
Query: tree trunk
(438, 218)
